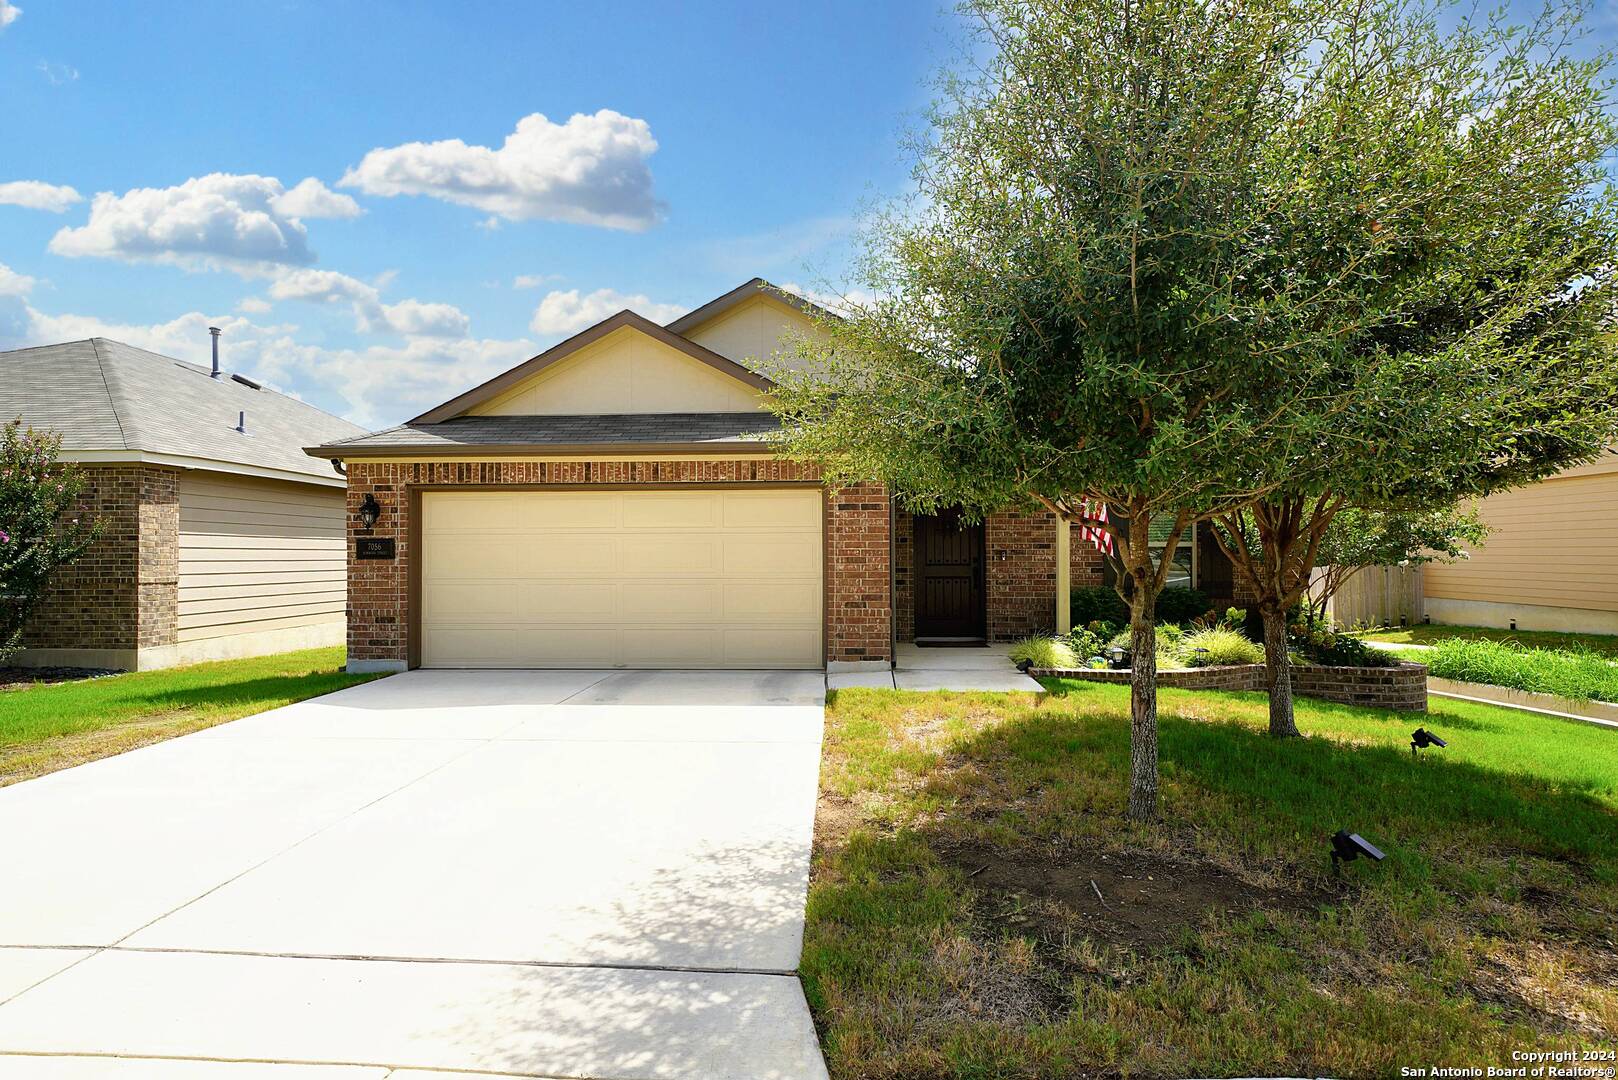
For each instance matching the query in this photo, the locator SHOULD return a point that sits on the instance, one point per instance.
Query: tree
(1081, 305)
(38, 535)
(1359, 539)
(1474, 329)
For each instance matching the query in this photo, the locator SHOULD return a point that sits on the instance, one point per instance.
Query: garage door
(666, 579)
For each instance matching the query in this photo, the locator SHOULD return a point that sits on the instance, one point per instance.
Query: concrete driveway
(527, 873)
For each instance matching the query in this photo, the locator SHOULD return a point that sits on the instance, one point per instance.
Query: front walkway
(521, 873)
(980, 668)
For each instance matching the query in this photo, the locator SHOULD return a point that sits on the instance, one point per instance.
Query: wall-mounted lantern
(369, 511)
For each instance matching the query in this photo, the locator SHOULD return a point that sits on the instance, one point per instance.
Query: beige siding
(258, 555)
(625, 372)
(1554, 544)
(753, 333)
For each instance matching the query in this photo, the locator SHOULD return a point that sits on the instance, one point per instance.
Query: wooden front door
(949, 578)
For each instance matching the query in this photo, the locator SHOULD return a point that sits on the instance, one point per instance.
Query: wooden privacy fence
(1378, 595)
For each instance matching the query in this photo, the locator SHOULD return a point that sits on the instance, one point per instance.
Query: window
(1183, 571)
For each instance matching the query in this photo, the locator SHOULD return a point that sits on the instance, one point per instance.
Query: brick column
(1021, 578)
(157, 579)
(859, 603)
(378, 588)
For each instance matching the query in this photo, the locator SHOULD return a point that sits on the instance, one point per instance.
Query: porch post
(1064, 567)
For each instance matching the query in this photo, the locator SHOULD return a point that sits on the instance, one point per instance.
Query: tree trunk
(1142, 706)
(1278, 672)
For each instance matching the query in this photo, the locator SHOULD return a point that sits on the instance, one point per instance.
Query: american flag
(1101, 538)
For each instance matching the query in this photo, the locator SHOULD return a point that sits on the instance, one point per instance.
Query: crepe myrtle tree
(1455, 185)
(38, 534)
(1360, 539)
(1083, 303)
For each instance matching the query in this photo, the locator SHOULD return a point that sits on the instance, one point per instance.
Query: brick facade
(1020, 573)
(858, 611)
(123, 593)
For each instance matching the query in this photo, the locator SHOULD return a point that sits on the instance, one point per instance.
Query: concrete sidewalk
(983, 667)
(518, 873)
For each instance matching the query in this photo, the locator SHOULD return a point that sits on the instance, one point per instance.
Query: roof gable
(626, 363)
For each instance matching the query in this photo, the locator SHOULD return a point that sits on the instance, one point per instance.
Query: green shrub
(1044, 652)
(1580, 675)
(1317, 641)
(1088, 641)
(1218, 645)
(1179, 604)
(1097, 603)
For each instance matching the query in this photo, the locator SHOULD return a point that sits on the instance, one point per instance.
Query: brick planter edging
(1402, 688)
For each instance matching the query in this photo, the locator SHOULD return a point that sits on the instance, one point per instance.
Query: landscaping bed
(1401, 687)
(1577, 675)
(979, 905)
(1434, 634)
(45, 727)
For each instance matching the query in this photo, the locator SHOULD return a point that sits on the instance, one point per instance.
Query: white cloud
(590, 171)
(38, 195)
(310, 199)
(218, 221)
(533, 281)
(253, 305)
(408, 317)
(8, 13)
(415, 318)
(841, 303)
(57, 74)
(13, 283)
(569, 312)
(387, 384)
(490, 224)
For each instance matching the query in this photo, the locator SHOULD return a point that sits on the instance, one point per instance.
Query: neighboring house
(221, 538)
(609, 503)
(1550, 563)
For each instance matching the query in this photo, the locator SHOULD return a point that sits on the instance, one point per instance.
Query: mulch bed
(20, 678)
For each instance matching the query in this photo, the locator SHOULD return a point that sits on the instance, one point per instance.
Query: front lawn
(979, 906)
(1426, 634)
(52, 726)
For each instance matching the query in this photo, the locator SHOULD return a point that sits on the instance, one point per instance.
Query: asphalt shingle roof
(104, 395)
(475, 431)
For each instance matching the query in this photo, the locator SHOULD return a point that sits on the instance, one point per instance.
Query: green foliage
(1318, 641)
(1580, 675)
(37, 537)
(1218, 645)
(1181, 604)
(1043, 652)
(1089, 642)
(1097, 603)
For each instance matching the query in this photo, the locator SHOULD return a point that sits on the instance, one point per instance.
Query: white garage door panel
(714, 578)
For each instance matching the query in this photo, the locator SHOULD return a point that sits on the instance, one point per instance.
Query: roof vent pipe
(241, 421)
(213, 331)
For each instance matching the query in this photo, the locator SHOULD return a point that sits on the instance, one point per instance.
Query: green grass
(1426, 634)
(1491, 920)
(1583, 676)
(52, 726)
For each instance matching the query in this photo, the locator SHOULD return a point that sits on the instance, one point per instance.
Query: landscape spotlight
(1422, 738)
(1024, 664)
(1347, 846)
(1116, 654)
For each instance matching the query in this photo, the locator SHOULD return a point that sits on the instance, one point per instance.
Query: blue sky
(333, 182)
(667, 152)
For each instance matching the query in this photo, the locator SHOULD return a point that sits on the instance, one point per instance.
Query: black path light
(369, 511)
(1347, 846)
(1421, 738)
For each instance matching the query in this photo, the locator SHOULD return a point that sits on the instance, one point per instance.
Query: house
(1550, 563)
(221, 538)
(611, 503)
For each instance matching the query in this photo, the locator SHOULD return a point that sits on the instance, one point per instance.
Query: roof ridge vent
(245, 381)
